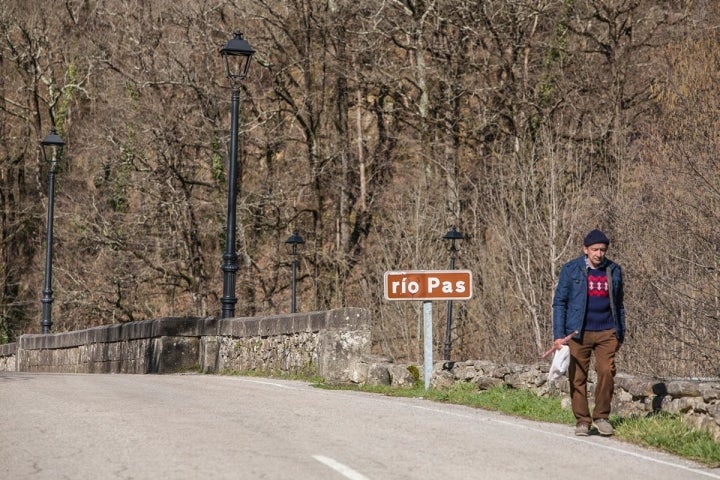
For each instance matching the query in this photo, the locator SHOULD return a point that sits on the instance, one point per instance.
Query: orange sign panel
(428, 285)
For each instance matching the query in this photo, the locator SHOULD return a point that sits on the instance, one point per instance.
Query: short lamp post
(452, 235)
(293, 244)
(52, 146)
(236, 54)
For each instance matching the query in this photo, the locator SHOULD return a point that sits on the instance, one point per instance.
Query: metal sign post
(427, 342)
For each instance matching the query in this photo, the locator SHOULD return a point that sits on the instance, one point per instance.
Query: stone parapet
(325, 344)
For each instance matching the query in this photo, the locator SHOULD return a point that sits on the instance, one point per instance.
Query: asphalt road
(63, 426)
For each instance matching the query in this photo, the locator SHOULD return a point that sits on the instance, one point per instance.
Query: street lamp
(55, 143)
(452, 235)
(236, 54)
(293, 243)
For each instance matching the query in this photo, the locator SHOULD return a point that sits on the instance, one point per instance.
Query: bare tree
(370, 128)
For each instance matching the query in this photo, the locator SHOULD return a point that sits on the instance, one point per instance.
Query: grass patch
(521, 403)
(668, 432)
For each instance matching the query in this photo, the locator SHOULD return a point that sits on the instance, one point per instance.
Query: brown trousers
(605, 345)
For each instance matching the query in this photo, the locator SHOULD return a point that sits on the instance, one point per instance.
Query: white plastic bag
(560, 362)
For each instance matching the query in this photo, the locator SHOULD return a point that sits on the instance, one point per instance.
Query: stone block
(681, 388)
(209, 354)
(401, 376)
(176, 354)
(359, 372)
(339, 351)
(710, 391)
(486, 383)
(441, 379)
(637, 387)
(378, 374)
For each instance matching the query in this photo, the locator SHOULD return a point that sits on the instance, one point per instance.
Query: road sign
(428, 285)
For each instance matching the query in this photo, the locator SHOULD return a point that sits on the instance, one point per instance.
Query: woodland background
(370, 127)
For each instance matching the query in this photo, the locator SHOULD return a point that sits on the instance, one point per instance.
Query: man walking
(588, 300)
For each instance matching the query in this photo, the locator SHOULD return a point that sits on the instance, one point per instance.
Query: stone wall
(697, 401)
(326, 344)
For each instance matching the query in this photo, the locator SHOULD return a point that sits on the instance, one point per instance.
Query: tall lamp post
(54, 142)
(293, 244)
(452, 235)
(236, 54)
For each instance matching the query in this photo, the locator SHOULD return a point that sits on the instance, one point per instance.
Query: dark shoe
(582, 430)
(603, 427)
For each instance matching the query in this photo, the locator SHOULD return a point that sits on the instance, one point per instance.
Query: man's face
(595, 253)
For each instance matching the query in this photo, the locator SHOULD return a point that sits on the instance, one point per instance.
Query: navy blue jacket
(570, 299)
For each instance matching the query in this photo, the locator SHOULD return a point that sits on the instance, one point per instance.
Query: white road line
(274, 384)
(343, 470)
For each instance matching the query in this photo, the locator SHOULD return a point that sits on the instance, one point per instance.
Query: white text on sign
(428, 285)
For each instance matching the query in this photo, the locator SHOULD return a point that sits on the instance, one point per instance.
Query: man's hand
(559, 342)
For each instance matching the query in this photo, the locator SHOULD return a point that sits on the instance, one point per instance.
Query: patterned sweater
(598, 316)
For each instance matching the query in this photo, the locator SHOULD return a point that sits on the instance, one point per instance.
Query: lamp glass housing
(237, 54)
(52, 141)
(453, 235)
(293, 243)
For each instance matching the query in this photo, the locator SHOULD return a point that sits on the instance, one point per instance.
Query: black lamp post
(236, 54)
(55, 143)
(452, 235)
(293, 244)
